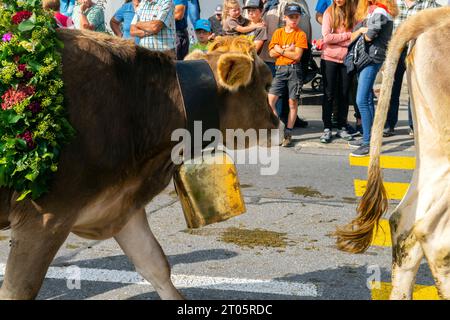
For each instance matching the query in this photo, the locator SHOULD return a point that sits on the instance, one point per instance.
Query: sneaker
(356, 143)
(350, 129)
(287, 141)
(300, 123)
(411, 131)
(362, 151)
(388, 132)
(343, 134)
(326, 136)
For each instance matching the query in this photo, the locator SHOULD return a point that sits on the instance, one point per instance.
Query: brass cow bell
(209, 190)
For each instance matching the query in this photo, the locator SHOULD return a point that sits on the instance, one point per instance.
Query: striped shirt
(162, 10)
(405, 12)
(94, 15)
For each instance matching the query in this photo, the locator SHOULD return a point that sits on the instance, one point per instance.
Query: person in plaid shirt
(406, 9)
(154, 24)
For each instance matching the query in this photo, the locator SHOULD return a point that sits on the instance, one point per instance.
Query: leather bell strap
(199, 90)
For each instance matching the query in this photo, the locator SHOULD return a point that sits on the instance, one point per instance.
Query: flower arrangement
(33, 123)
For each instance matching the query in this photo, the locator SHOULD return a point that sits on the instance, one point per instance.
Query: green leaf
(26, 25)
(23, 195)
(34, 65)
(59, 43)
(13, 118)
(3, 176)
(21, 144)
(32, 176)
(47, 155)
(33, 18)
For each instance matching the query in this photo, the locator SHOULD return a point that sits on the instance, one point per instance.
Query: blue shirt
(322, 5)
(125, 15)
(182, 24)
(66, 7)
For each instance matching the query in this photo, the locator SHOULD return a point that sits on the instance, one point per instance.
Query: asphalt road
(281, 248)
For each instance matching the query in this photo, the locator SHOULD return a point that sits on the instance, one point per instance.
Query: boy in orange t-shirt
(287, 47)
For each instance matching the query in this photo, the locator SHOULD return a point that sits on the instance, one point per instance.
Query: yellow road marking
(382, 290)
(383, 236)
(395, 190)
(386, 162)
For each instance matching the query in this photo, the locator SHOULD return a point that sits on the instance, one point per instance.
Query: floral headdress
(33, 120)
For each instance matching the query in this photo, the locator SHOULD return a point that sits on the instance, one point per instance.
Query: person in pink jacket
(337, 24)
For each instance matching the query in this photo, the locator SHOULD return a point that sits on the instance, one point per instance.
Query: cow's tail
(356, 237)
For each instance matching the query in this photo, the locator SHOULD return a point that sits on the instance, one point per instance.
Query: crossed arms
(146, 28)
(291, 52)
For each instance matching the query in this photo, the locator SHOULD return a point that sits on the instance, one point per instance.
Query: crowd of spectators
(281, 32)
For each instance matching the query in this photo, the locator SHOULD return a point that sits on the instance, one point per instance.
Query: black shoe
(388, 132)
(350, 129)
(355, 143)
(300, 123)
(359, 129)
(362, 151)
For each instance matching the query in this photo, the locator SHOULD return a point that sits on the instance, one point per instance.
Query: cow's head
(243, 80)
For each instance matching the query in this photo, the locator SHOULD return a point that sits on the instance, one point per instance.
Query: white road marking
(183, 281)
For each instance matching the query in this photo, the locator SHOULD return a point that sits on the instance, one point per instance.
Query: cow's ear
(234, 70)
(196, 55)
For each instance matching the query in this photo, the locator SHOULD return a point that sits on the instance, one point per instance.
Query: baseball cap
(292, 8)
(219, 9)
(203, 24)
(251, 4)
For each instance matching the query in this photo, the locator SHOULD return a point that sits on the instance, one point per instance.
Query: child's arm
(249, 28)
(275, 52)
(294, 55)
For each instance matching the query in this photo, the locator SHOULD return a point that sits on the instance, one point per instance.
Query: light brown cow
(124, 102)
(420, 225)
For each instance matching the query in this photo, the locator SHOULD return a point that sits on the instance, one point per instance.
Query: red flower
(21, 16)
(14, 96)
(28, 137)
(22, 67)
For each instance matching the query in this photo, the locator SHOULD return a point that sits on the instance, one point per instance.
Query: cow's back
(124, 103)
(429, 78)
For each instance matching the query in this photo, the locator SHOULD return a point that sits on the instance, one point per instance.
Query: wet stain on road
(173, 194)
(252, 238)
(308, 192)
(349, 200)
(72, 246)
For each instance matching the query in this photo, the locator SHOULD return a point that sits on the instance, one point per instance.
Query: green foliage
(33, 122)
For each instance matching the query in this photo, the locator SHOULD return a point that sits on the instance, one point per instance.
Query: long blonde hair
(227, 5)
(342, 16)
(363, 8)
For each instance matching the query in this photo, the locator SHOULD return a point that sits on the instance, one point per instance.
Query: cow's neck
(200, 98)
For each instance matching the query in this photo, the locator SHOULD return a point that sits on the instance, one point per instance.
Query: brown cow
(124, 102)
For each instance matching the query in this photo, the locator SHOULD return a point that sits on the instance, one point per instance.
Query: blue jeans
(193, 11)
(364, 98)
(392, 116)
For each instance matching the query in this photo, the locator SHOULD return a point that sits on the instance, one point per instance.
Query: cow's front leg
(140, 245)
(406, 253)
(36, 236)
